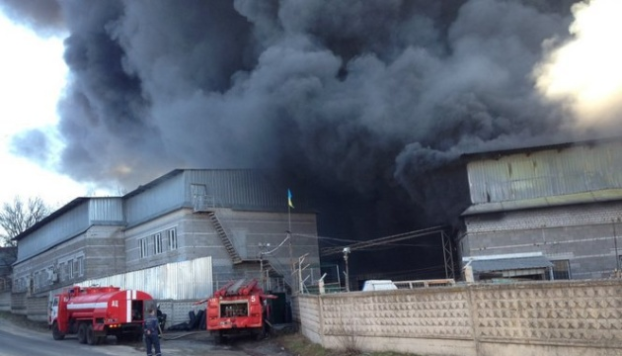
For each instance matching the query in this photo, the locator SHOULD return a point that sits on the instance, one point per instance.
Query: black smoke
(356, 105)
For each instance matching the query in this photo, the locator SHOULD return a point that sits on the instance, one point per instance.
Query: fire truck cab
(237, 308)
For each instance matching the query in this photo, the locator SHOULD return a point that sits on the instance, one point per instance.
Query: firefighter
(151, 334)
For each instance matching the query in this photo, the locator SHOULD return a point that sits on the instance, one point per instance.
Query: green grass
(300, 346)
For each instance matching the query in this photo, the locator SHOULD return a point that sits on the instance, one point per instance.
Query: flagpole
(289, 218)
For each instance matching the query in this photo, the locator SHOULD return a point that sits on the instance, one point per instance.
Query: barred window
(70, 269)
(142, 247)
(172, 239)
(157, 243)
(80, 266)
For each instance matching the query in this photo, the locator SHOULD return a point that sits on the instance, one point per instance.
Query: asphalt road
(17, 341)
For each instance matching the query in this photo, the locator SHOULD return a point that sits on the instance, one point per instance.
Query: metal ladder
(224, 237)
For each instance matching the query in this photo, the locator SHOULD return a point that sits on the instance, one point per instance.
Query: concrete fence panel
(5, 301)
(18, 303)
(540, 318)
(37, 308)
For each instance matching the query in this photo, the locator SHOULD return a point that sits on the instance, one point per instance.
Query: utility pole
(346, 251)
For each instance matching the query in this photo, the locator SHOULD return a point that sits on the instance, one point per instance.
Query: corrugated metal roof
(505, 264)
(495, 154)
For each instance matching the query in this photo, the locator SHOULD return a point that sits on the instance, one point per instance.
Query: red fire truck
(96, 312)
(237, 308)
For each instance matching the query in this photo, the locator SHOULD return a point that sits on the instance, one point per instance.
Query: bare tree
(17, 216)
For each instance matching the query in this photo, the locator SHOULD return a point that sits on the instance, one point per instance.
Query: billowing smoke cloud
(45, 15)
(584, 72)
(342, 98)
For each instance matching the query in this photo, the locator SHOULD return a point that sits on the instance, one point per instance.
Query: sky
(33, 76)
(354, 104)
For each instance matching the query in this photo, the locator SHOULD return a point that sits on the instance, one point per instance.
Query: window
(61, 271)
(37, 280)
(70, 270)
(157, 243)
(172, 239)
(142, 247)
(80, 266)
(561, 269)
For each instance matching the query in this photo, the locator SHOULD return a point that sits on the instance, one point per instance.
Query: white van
(384, 284)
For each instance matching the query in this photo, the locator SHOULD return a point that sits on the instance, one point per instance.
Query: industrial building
(234, 221)
(546, 212)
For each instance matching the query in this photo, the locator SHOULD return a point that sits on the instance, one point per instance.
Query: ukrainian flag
(289, 199)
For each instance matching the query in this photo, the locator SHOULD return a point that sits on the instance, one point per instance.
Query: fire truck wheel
(82, 333)
(219, 338)
(56, 334)
(260, 335)
(90, 335)
(138, 337)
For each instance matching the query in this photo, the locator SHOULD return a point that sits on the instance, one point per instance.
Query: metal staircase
(224, 237)
(279, 275)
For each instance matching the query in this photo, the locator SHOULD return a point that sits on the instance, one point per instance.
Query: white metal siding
(179, 281)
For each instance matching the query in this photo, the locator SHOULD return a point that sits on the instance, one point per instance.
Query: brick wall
(547, 318)
(588, 236)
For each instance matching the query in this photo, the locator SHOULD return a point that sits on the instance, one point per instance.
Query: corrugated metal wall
(62, 228)
(156, 200)
(242, 189)
(106, 211)
(547, 173)
(178, 281)
(236, 189)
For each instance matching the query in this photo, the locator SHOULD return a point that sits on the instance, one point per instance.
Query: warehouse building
(226, 219)
(547, 212)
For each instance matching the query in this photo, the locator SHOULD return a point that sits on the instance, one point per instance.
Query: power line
(384, 240)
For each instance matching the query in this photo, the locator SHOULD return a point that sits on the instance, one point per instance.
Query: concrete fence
(5, 301)
(18, 303)
(541, 318)
(37, 308)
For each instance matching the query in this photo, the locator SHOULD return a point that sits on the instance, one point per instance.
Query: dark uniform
(151, 334)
